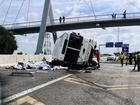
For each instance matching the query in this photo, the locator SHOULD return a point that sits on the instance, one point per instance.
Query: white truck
(73, 51)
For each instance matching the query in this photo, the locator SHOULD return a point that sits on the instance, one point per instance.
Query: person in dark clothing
(113, 16)
(126, 59)
(124, 14)
(138, 61)
(63, 19)
(135, 61)
(60, 19)
(130, 58)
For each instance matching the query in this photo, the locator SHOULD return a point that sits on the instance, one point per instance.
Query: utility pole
(43, 26)
(118, 38)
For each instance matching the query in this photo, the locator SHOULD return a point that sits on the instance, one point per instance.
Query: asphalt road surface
(111, 85)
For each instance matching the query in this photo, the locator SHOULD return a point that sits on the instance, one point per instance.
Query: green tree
(7, 42)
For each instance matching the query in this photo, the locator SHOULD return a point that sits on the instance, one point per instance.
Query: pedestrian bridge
(85, 22)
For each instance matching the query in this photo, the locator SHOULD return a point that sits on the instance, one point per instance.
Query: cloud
(74, 8)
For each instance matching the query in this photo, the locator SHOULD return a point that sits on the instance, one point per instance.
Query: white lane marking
(10, 98)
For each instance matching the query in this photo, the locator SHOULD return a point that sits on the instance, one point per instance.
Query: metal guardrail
(74, 20)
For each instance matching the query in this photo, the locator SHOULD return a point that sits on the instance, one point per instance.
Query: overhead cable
(1, 2)
(87, 4)
(19, 11)
(7, 11)
(73, 7)
(133, 4)
(28, 10)
(92, 8)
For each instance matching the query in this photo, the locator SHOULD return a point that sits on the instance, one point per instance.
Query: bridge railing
(75, 20)
(22, 24)
(100, 17)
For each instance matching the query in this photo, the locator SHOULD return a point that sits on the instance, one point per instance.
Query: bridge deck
(100, 21)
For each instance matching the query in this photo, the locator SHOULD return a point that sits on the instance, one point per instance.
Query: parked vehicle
(107, 57)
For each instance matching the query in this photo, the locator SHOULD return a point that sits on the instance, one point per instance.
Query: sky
(73, 8)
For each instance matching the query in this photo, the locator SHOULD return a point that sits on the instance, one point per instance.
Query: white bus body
(73, 49)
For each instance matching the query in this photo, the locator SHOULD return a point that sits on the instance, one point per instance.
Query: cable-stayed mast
(46, 13)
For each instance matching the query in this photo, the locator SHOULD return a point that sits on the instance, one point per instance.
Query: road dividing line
(10, 98)
(99, 86)
(123, 88)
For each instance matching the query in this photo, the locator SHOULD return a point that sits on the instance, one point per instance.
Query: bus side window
(64, 47)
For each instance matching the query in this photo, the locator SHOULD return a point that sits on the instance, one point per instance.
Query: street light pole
(118, 38)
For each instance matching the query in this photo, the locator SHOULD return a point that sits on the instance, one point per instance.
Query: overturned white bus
(73, 51)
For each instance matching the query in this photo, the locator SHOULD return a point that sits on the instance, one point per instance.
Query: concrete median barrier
(10, 60)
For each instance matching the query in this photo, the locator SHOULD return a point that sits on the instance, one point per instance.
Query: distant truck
(74, 51)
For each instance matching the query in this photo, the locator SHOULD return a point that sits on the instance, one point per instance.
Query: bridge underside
(78, 25)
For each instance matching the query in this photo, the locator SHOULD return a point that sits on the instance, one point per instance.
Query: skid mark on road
(80, 82)
(26, 99)
(101, 86)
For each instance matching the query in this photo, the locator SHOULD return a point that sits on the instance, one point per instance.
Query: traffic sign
(125, 48)
(118, 44)
(109, 44)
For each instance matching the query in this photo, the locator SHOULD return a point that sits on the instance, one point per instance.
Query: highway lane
(15, 84)
(111, 85)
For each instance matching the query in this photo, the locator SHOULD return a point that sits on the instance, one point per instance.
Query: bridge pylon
(47, 14)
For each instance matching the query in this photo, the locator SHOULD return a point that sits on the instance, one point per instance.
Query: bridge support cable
(73, 7)
(28, 10)
(19, 11)
(2, 1)
(43, 26)
(133, 4)
(90, 6)
(52, 23)
(91, 3)
(87, 4)
(7, 11)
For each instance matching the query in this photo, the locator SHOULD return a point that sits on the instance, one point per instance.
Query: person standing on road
(98, 57)
(126, 59)
(136, 61)
(130, 58)
(121, 58)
